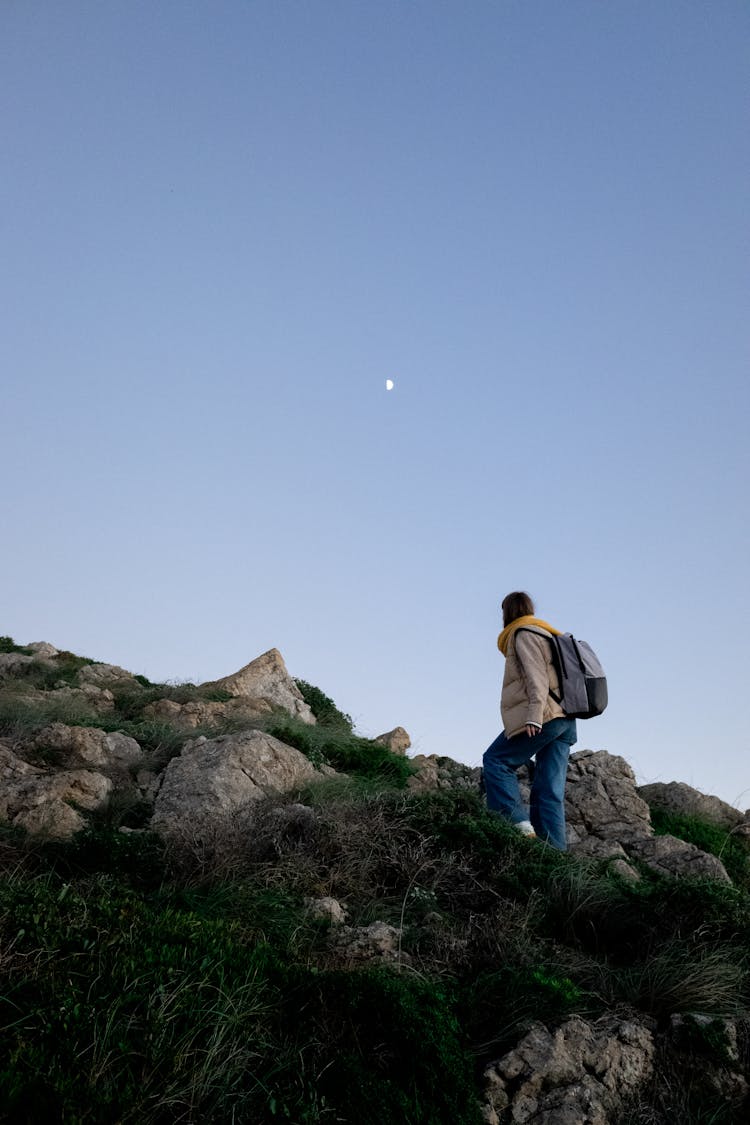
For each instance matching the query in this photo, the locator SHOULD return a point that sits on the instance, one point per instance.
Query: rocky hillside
(219, 903)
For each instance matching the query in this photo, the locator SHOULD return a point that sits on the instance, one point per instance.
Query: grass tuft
(333, 746)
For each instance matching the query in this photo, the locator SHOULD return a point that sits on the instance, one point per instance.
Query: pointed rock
(266, 682)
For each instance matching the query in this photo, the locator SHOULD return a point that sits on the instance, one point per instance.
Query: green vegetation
(324, 709)
(24, 712)
(46, 676)
(188, 996)
(154, 981)
(332, 742)
(731, 849)
(167, 1004)
(335, 746)
(22, 715)
(139, 984)
(7, 644)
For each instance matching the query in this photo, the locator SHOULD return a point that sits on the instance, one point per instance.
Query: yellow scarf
(520, 622)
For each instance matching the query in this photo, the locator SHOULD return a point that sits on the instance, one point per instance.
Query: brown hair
(517, 604)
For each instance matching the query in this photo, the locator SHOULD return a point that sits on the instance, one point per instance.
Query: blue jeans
(551, 745)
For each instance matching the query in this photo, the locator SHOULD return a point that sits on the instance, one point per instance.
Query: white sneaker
(525, 827)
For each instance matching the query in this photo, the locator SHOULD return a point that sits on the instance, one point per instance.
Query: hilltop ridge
(101, 732)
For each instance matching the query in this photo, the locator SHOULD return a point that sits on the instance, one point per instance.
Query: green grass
(345, 752)
(178, 1006)
(22, 716)
(219, 1000)
(499, 1004)
(324, 709)
(132, 698)
(143, 982)
(45, 675)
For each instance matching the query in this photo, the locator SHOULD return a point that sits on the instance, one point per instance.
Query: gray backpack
(583, 685)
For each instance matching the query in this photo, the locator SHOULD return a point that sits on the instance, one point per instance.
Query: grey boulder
(677, 797)
(42, 801)
(213, 778)
(90, 746)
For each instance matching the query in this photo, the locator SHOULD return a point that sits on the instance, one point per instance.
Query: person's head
(517, 604)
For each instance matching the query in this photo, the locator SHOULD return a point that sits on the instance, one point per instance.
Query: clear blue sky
(226, 224)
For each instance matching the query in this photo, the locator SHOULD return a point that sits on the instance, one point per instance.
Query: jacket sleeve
(533, 662)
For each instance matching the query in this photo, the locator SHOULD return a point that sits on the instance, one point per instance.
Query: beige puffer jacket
(529, 676)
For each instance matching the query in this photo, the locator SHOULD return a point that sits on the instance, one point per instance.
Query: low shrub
(460, 823)
(45, 675)
(498, 1006)
(381, 1046)
(324, 709)
(7, 644)
(129, 1010)
(136, 858)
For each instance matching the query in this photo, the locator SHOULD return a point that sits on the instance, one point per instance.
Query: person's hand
(532, 729)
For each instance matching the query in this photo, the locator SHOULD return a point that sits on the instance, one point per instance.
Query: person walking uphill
(534, 726)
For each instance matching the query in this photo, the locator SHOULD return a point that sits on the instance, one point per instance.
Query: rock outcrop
(89, 746)
(606, 813)
(397, 740)
(52, 779)
(436, 772)
(89, 699)
(677, 797)
(608, 818)
(268, 685)
(326, 910)
(722, 1033)
(46, 801)
(43, 649)
(666, 855)
(580, 1074)
(105, 675)
(602, 806)
(213, 778)
(376, 944)
(203, 712)
(11, 663)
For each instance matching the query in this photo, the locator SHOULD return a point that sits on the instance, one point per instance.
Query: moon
(389, 384)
